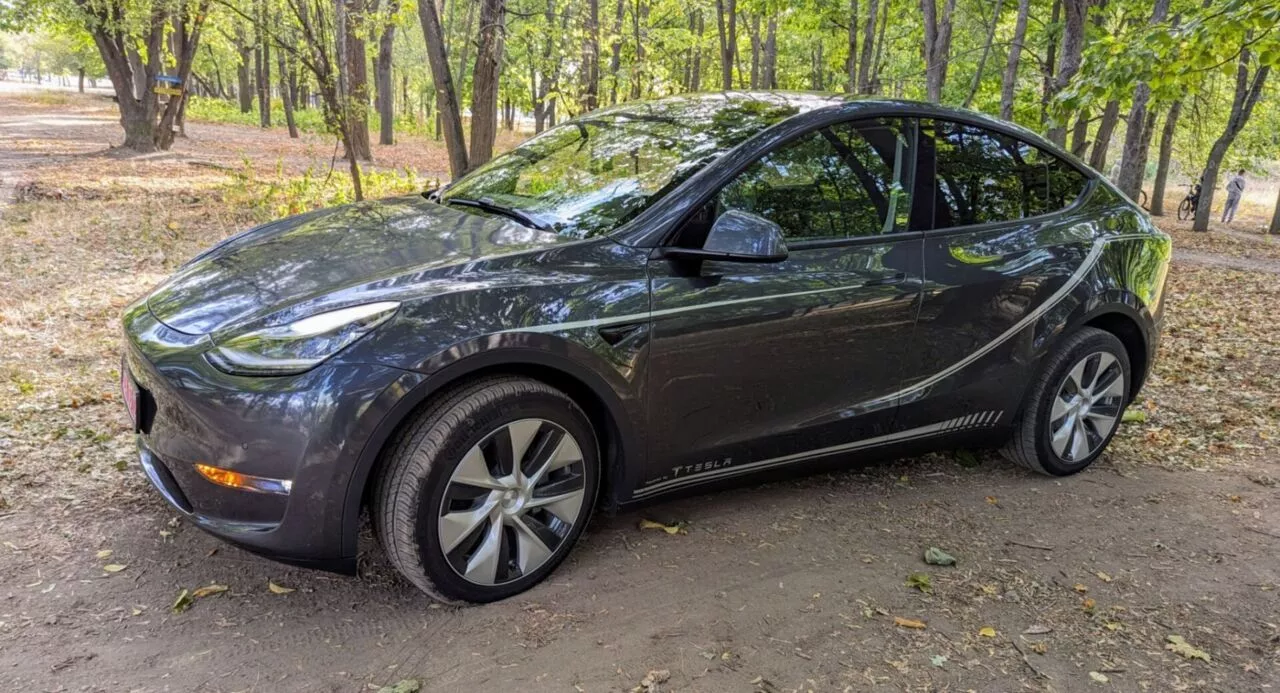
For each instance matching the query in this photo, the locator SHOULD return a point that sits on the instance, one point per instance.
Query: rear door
(754, 366)
(1004, 240)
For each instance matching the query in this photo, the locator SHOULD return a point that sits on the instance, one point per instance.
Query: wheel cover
(512, 501)
(1087, 406)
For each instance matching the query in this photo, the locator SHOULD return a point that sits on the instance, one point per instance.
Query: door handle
(886, 280)
(614, 334)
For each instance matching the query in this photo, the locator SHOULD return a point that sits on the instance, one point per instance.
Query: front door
(754, 366)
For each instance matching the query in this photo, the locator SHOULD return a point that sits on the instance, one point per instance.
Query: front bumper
(308, 429)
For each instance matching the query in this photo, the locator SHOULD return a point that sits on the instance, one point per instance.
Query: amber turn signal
(244, 482)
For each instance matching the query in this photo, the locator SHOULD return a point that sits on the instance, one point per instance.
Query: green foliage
(267, 197)
(223, 111)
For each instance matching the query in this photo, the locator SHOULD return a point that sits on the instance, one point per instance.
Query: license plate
(129, 391)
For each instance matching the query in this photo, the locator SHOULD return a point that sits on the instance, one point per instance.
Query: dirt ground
(1061, 585)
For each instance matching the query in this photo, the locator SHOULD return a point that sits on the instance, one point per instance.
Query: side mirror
(738, 237)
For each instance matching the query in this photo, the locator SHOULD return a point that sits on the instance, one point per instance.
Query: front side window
(843, 181)
(985, 177)
(588, 176)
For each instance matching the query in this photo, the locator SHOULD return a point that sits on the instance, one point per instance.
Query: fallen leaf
(1134, 416)
(651, 681)
(936, 556)
(1037, 630)
(403, 686)
(908, 622)
(208, 590)
(673, 528)
(1179, 645)
(1100, 678)
(987, 632)
(1080, 588)
(104, 554)
(993, 500)
(1039, 647)
(1088, 604)
(183, 602)
(114, 567)
(1103, 576)
(920, 581)
(1112, 625)
(938, 660)
(277, 589)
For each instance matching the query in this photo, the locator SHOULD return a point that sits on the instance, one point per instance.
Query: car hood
(351, 251)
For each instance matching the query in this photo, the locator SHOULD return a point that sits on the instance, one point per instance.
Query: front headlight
(300, 345)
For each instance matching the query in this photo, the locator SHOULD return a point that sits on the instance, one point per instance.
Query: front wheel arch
(603, 407)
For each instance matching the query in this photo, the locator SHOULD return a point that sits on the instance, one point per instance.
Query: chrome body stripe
(759, 465)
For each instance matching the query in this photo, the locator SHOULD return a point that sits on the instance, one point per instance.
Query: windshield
(587, 176)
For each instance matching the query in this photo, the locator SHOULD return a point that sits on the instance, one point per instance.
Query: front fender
(606, 378)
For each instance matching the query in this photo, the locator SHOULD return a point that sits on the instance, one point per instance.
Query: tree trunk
(1133, 159)
(986, 51)
(447, 111)
(464, 55)
(1051, 54)
(615, 46)
(484, 90)
(383, 82)
(139, 73)
(80, 79)
(639, 18)
(286, 98)
(755, 51)
(769, 71)
(937, 46)
(262, 77)
(138, 116)
(1080, 134)
(873, 86)
(353, 74)
(591, 58)
(1102, 139)
(1162, 163)
(851, 63)
(244, 86)
(868, 38)
(1275, 217)
(1247, 94)
(728, 31)
(1072, 52)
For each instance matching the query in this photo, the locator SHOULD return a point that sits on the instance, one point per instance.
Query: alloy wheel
(512, 501)
(1087, 407)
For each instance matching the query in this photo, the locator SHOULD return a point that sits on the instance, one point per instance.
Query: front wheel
(1074, 406)
(486, 491)
(1186, 209)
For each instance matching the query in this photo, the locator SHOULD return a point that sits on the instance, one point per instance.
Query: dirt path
(782, 587)
(797, 582)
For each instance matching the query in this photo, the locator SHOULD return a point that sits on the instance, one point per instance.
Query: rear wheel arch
(590, 392)
(1128, 330)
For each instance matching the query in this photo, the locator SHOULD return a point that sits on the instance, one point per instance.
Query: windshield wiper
(485, 204)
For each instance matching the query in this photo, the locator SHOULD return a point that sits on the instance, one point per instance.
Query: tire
(1185, 210)
(429, 472)
(1050, 407)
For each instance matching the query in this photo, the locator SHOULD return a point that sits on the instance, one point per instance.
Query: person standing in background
(1235, 188)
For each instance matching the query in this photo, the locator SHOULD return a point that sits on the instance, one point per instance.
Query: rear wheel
(1074, 406)
(485, 493)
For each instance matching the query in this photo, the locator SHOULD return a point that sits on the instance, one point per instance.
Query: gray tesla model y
(659, 298)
